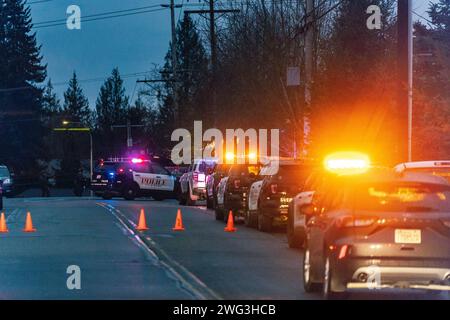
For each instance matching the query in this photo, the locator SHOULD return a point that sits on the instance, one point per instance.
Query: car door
(163, 180)
(255, 189)
(221, 191)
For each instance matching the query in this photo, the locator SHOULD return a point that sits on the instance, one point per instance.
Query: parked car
(193, 182)
(232, 191)
(212, 182)
(6, 181)
(437, 168)
(269, 198)
(379, 229)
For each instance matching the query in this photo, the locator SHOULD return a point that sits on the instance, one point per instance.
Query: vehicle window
(295, 173)
(244, 169)
(4, 172)
(157, 169)
(204, 166)
(401, 197)
(441, 172)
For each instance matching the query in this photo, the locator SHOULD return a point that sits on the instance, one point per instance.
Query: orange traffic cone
(142, 225)
(230, 224)
(3, 226)
(178, 222)
(29, 224)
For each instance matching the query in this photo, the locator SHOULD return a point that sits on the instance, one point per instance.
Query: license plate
(408, 236)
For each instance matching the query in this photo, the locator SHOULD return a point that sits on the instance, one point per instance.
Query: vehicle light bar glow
(136, 160)
(347, 163)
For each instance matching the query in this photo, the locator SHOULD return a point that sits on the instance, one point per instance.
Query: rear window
(204, 166)
(440, 172)
(244, 169)
(294, 173)
(401, 197)
(4, 172)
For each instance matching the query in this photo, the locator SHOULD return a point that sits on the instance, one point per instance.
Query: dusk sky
(134, 43)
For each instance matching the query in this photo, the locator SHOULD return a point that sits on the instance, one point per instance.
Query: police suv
(133, 178)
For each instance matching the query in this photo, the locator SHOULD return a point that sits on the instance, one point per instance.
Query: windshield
(402, 197)
(244, 169)
(441, 172)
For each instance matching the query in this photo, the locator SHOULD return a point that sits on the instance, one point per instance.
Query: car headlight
(7, 181)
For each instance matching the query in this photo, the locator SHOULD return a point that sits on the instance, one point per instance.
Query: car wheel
(219, 214)
(264, 223)
(181, 198)
(308, 285)
(328, 292)
(251, 219)
(130, 193)
(209, 203)
(189, 200)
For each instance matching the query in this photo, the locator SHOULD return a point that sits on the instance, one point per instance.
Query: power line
(89, 80)
(100, 14)
(101, 18)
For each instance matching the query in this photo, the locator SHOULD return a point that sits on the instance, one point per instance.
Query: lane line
(197, 287)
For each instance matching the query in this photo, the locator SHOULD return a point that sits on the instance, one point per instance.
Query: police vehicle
(232, 191)
(269, 198)
(133, 178)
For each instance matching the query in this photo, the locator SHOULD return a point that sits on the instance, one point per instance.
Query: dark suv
(380, 229)
(276, 194)
(212, 181)
(232, 191)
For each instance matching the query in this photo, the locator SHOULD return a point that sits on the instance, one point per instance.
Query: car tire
(219, 214)
(209, 203)
(308, 285)
(181, 198)
(251, 219)
(189, 200)
(130, 192)
(327, 289)
(264, 223)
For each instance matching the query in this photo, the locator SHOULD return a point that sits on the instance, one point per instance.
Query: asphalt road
(117, 262)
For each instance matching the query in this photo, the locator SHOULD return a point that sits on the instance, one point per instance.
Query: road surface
(117, 262)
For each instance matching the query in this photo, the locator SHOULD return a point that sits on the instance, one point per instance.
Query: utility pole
(176, 110)
(212, 28)
(309, 62)
(128, 126)
(213, 44)
(405, 80)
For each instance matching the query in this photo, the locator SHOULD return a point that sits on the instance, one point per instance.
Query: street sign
(293, 76)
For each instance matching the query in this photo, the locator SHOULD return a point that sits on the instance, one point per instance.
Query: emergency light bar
(347, 163)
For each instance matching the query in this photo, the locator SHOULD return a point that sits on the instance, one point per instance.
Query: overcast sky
(133, 43)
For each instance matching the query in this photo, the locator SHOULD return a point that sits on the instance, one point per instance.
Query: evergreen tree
(111, 109)
(112, 102)
(51, 105)
(21, 70)
(76, 105)
(192, 85)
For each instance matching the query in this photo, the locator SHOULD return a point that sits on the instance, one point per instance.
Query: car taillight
(343, 252)
(120, 170)
(195, 176)
(354, 222)
(273, 188)
(237, 183)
